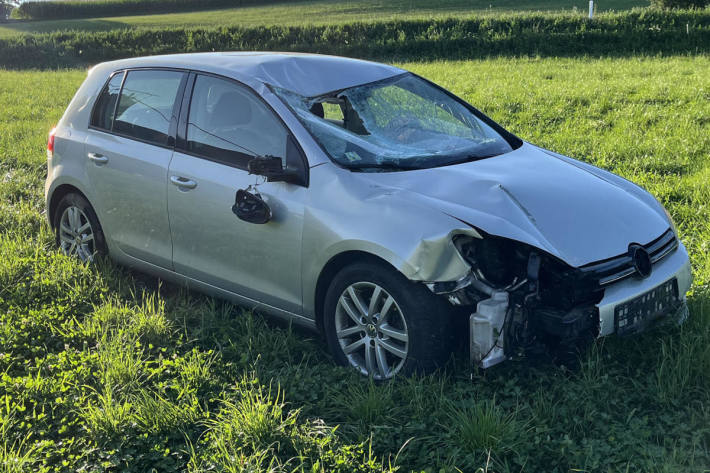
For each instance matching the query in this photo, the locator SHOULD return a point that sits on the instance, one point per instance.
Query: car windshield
(398, 123)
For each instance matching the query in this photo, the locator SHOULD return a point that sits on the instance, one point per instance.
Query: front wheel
(382, 324)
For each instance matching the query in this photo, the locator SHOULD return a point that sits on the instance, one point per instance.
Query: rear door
(128, 151)
(225, 126)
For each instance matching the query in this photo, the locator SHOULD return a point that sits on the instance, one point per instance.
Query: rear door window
(146, 106)
(106, 103)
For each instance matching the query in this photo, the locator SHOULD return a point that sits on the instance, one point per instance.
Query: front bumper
(676, 265)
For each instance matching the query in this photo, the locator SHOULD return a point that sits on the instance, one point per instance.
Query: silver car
(360, 200)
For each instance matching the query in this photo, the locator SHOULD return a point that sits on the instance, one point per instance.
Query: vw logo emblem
(641, 260)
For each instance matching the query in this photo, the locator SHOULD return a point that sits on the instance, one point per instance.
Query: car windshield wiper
(468, 159)
(385, 166)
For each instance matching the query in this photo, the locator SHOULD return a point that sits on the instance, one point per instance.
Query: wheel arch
(332, 267)
(57, 195)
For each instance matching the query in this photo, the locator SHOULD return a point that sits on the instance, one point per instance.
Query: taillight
(50, 144)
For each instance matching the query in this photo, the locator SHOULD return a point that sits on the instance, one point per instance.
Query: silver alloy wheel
(371, 330)
(76, 237)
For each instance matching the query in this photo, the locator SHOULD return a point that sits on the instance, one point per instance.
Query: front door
(227, 125)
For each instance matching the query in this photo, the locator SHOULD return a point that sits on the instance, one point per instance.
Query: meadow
(104, 369)
(305, 12)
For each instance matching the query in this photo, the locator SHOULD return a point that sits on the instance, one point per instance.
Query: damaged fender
(416, 241)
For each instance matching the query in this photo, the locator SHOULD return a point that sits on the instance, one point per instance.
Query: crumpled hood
(567, 208)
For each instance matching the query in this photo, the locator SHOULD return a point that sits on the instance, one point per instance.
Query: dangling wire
(257, 182)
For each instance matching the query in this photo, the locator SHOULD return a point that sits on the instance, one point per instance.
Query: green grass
(316, 12)
(102, 369)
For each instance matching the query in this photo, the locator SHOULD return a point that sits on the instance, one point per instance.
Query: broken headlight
(498, 262)
(503, 265)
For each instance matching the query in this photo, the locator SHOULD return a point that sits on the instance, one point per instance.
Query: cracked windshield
(396, 124)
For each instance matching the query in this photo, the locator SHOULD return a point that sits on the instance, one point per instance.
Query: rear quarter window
(102, 116)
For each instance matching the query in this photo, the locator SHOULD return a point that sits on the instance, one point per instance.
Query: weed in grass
(17, 455)
(683, 367)
(255, 420)
(194, 373)
(591, 367)
(121, 365)
(155, 414)
(482, 425)
(423, 393)
(370, 403)
(106, 416)
(145, 323)
(544, 406)
(255, 432)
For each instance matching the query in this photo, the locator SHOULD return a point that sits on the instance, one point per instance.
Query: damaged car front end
(523, 300)
(545, 253)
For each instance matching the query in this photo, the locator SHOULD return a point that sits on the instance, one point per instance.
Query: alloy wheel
(371, 330)
(76, 237)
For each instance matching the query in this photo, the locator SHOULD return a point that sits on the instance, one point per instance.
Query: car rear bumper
(676, 265)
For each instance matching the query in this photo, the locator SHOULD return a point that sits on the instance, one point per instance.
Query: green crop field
(316, 12)
(102, 369)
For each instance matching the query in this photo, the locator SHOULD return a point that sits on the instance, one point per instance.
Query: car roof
(306, 74)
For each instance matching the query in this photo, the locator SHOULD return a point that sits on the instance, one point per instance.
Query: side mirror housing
(251, 207)
(272, 168)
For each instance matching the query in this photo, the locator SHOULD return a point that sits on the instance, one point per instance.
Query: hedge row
(52, 10)
(680, 3)
(636, 32)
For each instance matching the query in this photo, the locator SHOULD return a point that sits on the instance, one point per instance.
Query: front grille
(620, 267)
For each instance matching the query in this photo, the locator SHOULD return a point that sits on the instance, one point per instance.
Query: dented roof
(305, 74)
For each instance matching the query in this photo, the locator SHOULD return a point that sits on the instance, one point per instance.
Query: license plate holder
(635, 314)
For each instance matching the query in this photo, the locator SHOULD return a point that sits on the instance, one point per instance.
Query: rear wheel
(77, 230)
(382, 324)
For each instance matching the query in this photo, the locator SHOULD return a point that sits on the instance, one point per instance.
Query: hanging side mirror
(250, 207)
(270, 167)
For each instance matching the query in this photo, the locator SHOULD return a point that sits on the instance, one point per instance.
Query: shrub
(638, 32)
(82, 9)
(666, 4)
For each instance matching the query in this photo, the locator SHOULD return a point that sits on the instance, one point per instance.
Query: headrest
(317, 110)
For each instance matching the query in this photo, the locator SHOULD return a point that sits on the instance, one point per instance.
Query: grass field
(105, 370)
(314, 12)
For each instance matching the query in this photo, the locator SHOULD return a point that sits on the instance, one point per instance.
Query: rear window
(106, 103)
(145, 108)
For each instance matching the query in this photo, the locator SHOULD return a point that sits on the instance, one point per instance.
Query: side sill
(215, 291)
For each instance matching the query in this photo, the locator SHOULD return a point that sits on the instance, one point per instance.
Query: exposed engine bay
(524, 301)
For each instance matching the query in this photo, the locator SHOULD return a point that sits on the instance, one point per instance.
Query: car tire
(77, 230)
(411, 333)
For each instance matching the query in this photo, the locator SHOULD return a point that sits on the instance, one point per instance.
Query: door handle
(98, 158)
(183, 182)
